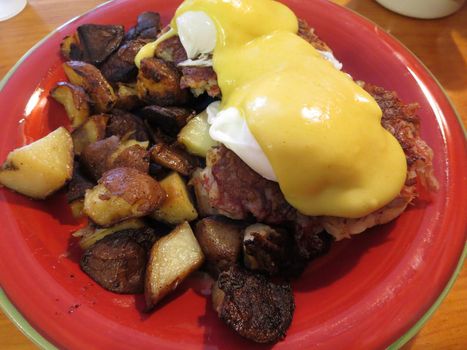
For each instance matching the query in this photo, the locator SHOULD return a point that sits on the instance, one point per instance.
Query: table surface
(441, 44)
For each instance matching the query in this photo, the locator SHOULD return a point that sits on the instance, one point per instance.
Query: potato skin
(93, 82)
(94, 157)
(159, 83)
(91, 131)
(122, 193)
(126, 126)
(75, 100)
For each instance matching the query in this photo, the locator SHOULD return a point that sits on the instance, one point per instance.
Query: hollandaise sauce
(320, 131)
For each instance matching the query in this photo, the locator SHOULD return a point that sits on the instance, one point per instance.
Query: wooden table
(440, 44)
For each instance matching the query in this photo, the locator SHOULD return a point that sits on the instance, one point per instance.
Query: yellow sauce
(320, 131)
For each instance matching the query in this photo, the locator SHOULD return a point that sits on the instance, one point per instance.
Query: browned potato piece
(178, 207)
(98, 41)
(172, 259)
(127, 97)
(174, 158)
(78, 184)
(126, 126)
(109, 153)
(91, 131)
(202, 197)
(77, 208)
(91, 234)
(91, 80)
(75, 100)
(221, 242)
(120, 67)
(122, 193)
(171, 50)
(70, 48)
(159, 83)
(148, 26)
(169, 119)
(40, 168)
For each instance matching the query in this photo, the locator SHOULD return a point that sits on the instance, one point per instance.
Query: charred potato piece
(76, 189)
(253, 306)
(70, 48)
(127, 97)
(91, 131)
(98, 41)
(169, 119)
(173, 158)
(200, 80)
(172, 259)
(195, 136)
(122, 193)
(120, 67)
(171, 50)
(95, 156)
(40, 168)
(91, 234)
(75, 100)
(109, 153)
(178, 207)
(148, 26)
(126, 126)
(118, 261)
(91, 80)
(221, 242)
(159, 83)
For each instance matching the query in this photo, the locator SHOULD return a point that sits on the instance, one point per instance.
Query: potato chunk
(40, 168)
(75, 101)
(195, 136)
(172, 259)
(91, 131)
(178, 207)
(93, 82)
(122, 193)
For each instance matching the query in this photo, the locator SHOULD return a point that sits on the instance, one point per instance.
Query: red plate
(365, 294)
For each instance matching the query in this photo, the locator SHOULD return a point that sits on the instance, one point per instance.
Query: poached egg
(287, 111)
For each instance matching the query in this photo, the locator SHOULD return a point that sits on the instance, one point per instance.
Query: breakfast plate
(373, 291)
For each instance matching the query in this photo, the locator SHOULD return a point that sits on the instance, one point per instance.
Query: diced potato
(70, 48)
(158, 82)
(40, 168)
(122, 193)
(93, 82)
(174, 158)
(178, 207)
(127, 97)
(195, 136)
(75, 100)
(91, 234)
(77, 207)
(91, 131)
(172, 259)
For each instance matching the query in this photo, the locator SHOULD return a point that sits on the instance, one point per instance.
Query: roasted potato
(202, 197)
(174, 158)
(70, 48)
(172, 259)
(91, 131)
(75, 100)
(127, 97)
(76, 188)
(126, 126)
(178, 207)
(221, 242)
(91, 80)
(99, 41)
(171, 50)
(110, 153)
(195, 136)
(122, 193)
(120, 67)
(40, 168)
(169, 119)
(118, 261)
(158, 82)
(91, 234)
(148, 26)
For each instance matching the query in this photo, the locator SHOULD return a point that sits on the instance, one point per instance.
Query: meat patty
(253, 306)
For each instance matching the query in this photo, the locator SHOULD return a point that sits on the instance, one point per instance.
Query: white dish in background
(425, 9)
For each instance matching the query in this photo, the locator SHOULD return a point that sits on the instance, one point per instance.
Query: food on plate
(93, 82)
(75, 101)
(178, 206)
(118, 261)
(39, 169)
(255, 307)
(284, 152)
(120, 194)
(172, 259)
